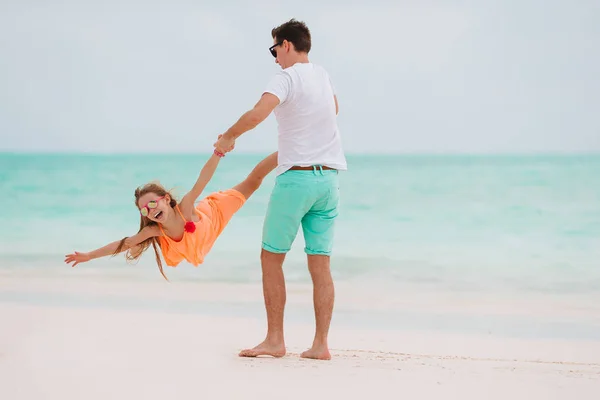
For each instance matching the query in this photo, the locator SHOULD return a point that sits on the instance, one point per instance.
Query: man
(306, 191)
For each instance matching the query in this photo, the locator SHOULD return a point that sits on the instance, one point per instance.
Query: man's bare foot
(317, 353)
(265, 349)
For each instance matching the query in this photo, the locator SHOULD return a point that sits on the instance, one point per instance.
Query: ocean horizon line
(347, 153)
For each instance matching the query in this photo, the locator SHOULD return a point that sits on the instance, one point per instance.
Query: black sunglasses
(272, 49)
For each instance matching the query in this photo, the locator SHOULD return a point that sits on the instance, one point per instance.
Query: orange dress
(214, 212)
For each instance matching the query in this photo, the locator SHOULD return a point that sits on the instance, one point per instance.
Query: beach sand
(70, 349)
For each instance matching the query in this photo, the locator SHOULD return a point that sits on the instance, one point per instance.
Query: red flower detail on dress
(189, 227)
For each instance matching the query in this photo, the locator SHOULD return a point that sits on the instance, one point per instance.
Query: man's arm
(337, 107)
(252, 118)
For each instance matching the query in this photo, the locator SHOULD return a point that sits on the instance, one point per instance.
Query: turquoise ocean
(514, 224)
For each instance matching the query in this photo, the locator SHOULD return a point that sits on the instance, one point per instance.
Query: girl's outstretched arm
(109, 249)
(206, 174)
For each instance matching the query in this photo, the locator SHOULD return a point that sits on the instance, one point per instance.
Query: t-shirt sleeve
(280, 85)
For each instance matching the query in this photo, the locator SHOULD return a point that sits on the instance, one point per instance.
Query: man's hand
(224, 144)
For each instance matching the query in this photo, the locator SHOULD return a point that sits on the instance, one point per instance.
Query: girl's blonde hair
(134, 253)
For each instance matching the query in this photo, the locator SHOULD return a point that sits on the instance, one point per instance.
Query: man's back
(306, 117)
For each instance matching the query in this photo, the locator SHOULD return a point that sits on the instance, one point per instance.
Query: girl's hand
(77, 258)
(224, 145)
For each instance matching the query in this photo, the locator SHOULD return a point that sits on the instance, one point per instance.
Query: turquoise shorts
(302, 197)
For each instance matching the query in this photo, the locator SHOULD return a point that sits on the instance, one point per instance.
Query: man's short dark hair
(293, 31)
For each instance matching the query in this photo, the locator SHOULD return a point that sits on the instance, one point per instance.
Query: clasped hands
(224, 144)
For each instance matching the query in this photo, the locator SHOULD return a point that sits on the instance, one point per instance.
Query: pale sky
(412, 76)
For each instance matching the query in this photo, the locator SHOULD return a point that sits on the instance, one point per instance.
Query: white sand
(66, 352)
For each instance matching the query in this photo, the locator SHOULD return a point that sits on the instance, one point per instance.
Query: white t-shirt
(306, 118)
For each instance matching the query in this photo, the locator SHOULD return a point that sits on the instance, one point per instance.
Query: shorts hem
(273, 249)
(316, 252)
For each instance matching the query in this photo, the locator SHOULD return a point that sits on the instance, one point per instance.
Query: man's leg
(318, 227)
(255, 178)
(288, 204)
(323, 299)
(275, 296)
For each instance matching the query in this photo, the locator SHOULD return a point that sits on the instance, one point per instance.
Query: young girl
(182, 230)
